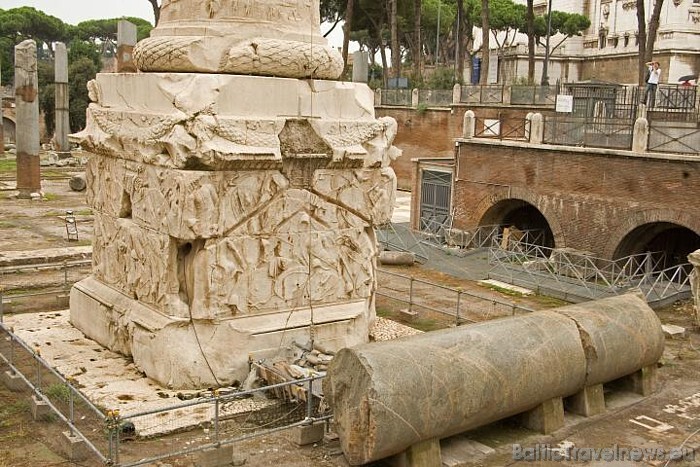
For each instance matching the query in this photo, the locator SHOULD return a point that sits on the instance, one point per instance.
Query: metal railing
(582, 131)
(435, 97)
(397, 97)
(488, 94)
(56, 396)
(454, 305)
(227, 417)
(575, 276)
(533, 95)
(516, 129)
(674, 137)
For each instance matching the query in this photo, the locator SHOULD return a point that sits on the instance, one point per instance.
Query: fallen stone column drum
(388, 396)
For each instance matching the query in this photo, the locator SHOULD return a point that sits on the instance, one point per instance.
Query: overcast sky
(75, 11)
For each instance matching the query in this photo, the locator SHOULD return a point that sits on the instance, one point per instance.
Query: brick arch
(520, 194)
(14, 125)
(652, 216)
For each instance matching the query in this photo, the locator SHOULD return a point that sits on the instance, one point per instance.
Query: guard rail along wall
(462, 378)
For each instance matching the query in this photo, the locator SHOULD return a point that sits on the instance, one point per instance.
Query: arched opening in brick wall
(523, 216)
(669, 243)
(9, 129)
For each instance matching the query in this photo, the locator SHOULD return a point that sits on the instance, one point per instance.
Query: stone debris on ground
(386, 329)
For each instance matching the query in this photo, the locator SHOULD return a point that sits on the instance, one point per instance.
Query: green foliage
(58, 392)
(441, 78)
(78, 49)
(47, 104)
(79, 73)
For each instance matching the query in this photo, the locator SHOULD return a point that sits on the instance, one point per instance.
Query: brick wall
(591, 198)
(432, 133)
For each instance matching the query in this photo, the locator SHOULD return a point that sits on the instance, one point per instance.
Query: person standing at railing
(653, 76)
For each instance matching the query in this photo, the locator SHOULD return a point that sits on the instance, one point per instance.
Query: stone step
(45, 256)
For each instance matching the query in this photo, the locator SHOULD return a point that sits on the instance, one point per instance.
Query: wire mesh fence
(397, 97)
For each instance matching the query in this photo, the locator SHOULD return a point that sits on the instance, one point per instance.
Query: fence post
(65, 274)
(2, 306)
(456, 93)
(640, 136)
(216, 416)
(309, 395)
(469, 124)
(71, 407)
(459, 296)
(410, 296)
(37, 353)
(12, 353)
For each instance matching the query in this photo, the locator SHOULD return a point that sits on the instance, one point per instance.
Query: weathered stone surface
(694, 259)
(126, 41)
(505, 366)
(233, 214)
(61, 143)
(224, 122)
(262, 37)
(27, 113)
(77, 182)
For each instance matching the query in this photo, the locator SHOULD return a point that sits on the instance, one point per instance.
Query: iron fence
(533, 95)
(217, 418)
(435, 97)
(601, 132)
(674, 137)
(575, 276)
(52, 396)
(453, 305)
(397, 97)
(675, 102)
(516, 129)
(489, 94)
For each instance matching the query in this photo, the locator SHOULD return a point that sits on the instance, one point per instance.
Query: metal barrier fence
(533, 95)
(15, 296)
(398, 97)
(435, 97)
(674, 137)
(575, 276)
(54, 396)
(216, 419)
(451, 305)
(489, 94)
(582, 131)
(516, 129)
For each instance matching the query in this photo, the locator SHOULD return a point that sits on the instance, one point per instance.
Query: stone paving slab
(48, 255)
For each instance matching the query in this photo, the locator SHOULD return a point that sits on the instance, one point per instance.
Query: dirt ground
(670, 418)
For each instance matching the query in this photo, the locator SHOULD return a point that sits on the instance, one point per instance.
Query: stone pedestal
(73, 447)
(588, 402)
(308, 434)
(642, 382)
(12, 381)
(233, 215)
(40, 409)
(126, 41)
(546, 417)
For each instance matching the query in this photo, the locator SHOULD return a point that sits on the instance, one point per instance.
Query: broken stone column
(360, 67)
(2, 123)
(640, 135)
(126, 41)
(62, 145)
(27, 113)
(391, 395)
(694, 259)
(234, 214)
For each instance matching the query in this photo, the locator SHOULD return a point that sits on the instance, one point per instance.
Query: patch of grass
(8, 165)
(83, 212)
(549, 302)
(7, 225)
(51, 196)
(58, 391)
(505, 291)
(425, 324)
(14, 408)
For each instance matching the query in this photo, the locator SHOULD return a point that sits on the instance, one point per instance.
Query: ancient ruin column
(27, 133)
(62, 146)
(694, 259)
(234, 214)
(126, 40)
(2, 124)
